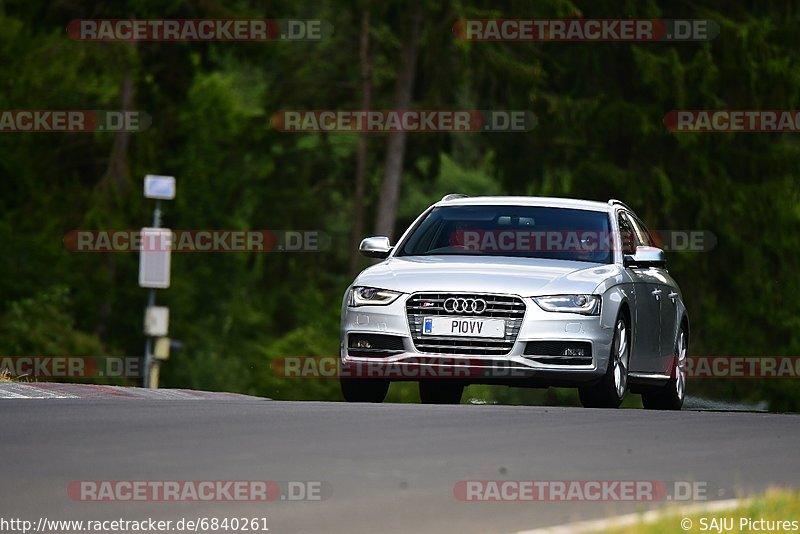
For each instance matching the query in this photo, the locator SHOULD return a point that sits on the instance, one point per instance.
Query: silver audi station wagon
(520, 291)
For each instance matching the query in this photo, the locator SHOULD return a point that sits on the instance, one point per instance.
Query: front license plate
(463, 327)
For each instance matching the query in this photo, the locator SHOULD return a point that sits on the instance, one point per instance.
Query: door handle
(657, 294)
(673, 296)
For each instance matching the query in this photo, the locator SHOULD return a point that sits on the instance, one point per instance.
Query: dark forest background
(599, 135)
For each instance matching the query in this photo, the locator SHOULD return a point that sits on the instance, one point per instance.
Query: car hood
(517, 276)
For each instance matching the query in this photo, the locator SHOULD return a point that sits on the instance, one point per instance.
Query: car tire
(610, 391)
(440, 392)
(364, 389)
(671, 395)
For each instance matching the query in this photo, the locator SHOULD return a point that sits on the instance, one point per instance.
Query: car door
(669, 321)
(646, 355)
(668, 303)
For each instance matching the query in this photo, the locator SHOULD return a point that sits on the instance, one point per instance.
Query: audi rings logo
(461, 305)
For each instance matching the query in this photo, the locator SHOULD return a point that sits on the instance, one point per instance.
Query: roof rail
(453, 196)
(613, 201)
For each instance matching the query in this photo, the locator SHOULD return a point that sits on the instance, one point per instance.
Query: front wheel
(364, 389)
(610, 391)
(671, 395)
(440, 392)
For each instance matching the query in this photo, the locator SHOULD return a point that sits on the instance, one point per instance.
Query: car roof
(552, 202)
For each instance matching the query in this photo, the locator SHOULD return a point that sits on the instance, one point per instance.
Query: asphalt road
(391, 467)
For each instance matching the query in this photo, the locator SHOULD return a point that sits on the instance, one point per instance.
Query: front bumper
(514, 367)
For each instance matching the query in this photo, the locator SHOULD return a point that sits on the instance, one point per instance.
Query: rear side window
(627, 235)
(642, 234)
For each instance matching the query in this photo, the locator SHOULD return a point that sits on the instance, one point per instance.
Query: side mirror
(375, 247)
(645, 257)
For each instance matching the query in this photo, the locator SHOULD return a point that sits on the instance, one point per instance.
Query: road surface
(390, 467)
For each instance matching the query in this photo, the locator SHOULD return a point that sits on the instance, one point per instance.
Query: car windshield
(517, 231)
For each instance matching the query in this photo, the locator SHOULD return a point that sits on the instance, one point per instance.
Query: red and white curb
(628, 520)
(53, 390)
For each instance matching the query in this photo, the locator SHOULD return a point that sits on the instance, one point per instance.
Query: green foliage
(43, 325)
(451, 178)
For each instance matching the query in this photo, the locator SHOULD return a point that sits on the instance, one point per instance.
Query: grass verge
(778, 510)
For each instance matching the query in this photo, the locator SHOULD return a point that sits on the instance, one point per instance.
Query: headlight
(584, 304)
(371, 296)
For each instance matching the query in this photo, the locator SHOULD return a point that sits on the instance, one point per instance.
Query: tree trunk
(113, 187)
(361, 150)
(393, 174)
(116, 181)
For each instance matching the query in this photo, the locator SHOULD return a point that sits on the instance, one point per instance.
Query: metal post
(157, 214)
(151, 301)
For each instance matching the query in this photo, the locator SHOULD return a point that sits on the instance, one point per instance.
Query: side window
(627, 235)
(641, 232)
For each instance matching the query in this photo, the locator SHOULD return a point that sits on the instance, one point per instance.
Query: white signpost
(155, 259)
(156, 321)
(159, 187)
